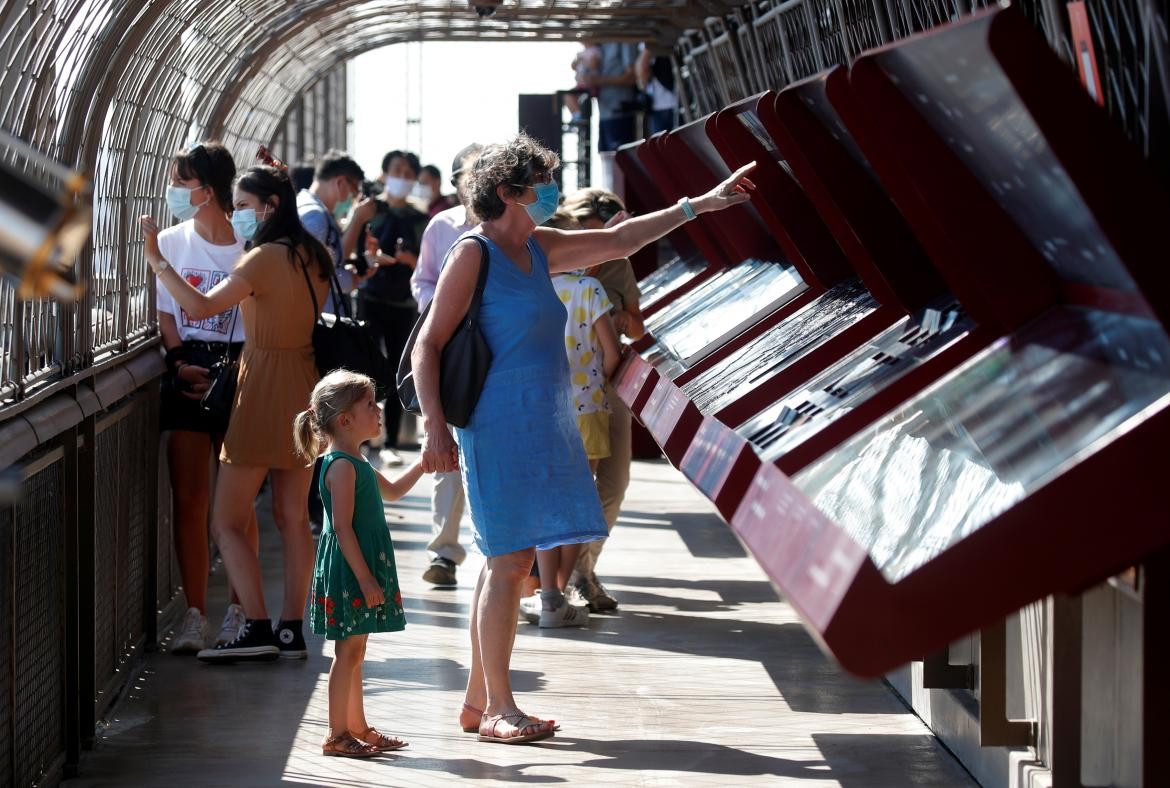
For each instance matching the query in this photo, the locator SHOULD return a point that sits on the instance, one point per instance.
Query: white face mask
(398, 187)
(420, 191)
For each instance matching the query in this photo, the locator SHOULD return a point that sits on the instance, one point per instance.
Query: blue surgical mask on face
(547, 197)
(246, 223)
(179, 203)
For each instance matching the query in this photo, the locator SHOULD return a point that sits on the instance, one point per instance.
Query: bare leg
(290, 491)
(476, 693)
(568, 560)
(252, 535)
(251, 532)
(236, 487)
(346, 653)
(188, 456)
(356, 714)
(498, 597)
(549, 562)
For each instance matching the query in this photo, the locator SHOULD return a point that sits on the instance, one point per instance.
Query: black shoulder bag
(340, 342)
(220, 396)
(465, 361)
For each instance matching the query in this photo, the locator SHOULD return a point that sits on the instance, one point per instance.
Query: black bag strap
(480, 282)
(334, 288)
(227, 350)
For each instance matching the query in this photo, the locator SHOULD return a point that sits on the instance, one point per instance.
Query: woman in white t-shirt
(203, 248)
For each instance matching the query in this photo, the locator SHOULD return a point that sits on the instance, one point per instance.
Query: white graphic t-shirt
(204, 265)
(586, 303)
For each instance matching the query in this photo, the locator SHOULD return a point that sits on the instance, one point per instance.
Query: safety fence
(86, 575)
(768, 44)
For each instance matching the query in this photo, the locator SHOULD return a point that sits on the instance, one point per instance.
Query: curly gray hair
(514, 162)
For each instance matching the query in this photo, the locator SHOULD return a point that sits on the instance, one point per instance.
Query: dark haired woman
(280, 283)
(203, 248)
(524, 468)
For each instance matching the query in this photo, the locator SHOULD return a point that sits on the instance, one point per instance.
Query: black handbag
(340, 342)
(220, 396)
(464, 364)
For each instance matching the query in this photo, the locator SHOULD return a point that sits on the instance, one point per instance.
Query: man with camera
(337, 182)
(392, 236)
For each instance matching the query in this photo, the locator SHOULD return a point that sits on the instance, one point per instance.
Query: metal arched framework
(113, 88)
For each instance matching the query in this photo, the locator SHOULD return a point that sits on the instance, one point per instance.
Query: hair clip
(267, 158)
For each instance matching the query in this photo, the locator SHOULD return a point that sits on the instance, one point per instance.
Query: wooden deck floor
(703, 678)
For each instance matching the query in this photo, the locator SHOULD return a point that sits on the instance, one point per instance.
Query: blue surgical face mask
(547, 197)
(246, 223)
(179, 203)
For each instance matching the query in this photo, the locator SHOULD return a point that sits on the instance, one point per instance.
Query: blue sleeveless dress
(524, 469)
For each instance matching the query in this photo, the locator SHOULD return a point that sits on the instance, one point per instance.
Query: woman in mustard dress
(279, 284)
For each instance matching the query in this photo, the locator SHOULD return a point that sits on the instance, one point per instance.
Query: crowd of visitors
(541, 465)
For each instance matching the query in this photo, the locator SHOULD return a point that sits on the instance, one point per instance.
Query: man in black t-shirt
(384, 300)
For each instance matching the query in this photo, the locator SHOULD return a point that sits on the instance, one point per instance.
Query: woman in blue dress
(524, 469)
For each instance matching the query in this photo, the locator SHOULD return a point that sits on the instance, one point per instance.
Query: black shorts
(180, 412)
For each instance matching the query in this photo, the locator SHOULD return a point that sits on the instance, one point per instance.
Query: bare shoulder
(341, 472)
(465, 258)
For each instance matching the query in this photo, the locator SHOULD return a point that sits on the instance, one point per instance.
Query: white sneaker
(564, 616)
(530, 608)
(233, 622)
(390, 458)
(192, 636)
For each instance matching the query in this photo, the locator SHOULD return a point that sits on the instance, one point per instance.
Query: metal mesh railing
(114, 89)
(38, 626)
(768, 44)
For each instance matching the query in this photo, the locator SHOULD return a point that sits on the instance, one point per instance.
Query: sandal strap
(519, 729)
(386, 739)
(346, 742)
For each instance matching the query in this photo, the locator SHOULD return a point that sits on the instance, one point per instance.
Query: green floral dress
(337, 609)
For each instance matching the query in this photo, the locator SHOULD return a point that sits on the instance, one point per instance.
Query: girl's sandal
(344, 745)
(384, 744)
(520, 722)
(478, 713)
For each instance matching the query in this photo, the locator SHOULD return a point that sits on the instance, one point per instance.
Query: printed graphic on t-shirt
(203, 279)
(585, 303)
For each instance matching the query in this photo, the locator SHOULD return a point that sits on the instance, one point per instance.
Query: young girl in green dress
(355, 583)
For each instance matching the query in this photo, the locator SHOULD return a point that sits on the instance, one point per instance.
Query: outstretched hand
(150, 232)
(736, 189)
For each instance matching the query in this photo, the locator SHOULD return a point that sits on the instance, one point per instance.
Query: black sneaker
(441, 572)
(291, 640)
(254, 643)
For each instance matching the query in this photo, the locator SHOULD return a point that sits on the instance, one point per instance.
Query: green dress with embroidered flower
(337, 609)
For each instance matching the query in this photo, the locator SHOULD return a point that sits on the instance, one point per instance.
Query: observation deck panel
(926, 525)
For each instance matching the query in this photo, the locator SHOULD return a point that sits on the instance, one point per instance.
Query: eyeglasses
(538, 179)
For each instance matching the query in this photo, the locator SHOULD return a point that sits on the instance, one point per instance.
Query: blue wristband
(688, 211)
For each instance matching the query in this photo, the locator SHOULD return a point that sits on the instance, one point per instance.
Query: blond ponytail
(307, 435)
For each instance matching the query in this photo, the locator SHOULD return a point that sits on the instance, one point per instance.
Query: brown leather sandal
(474, 727)
(385, 743)
(522, 723)
(344, 745)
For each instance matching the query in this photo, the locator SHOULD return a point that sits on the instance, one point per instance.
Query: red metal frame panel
(875, 237)
(779, 200)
